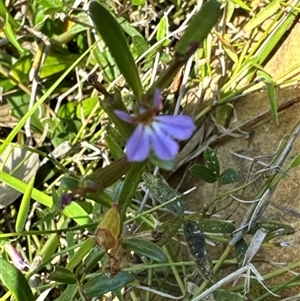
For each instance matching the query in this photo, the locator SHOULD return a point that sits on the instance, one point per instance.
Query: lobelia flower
(15, 257)
(158, 131)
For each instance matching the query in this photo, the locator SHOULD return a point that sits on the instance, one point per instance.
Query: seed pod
(113, 263)
(108, 230)
(196, 244)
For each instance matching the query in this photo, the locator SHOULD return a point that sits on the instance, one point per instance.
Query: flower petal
(164, 146)
(124, 116)
(179, 127)
(138, 145)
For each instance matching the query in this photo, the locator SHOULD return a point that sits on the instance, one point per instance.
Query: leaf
(271, 93)
(24, 207)
(213, 226)
(21, 186)
(228, 176)
(138, 2)
(50, 3)
(240, 250)
(117, 45)
(275, 36)
(100, 284)
(85, 107)
(196, 244)
(162, 30)
(197, 30)
(199, 26)
(295, 162)
(262, 15)
(241, 4)
(15, 282)
(131, 182)
(69, 293)
(204, 173)
(55, 63)
(101, 178)
(76, 212)
(63, 275)
(84, 249)
(10, 34)
(271, 227)
(212, 161)
(144, 248)
(164, 232)
(140, 44)
(162, 192)
(225, 295)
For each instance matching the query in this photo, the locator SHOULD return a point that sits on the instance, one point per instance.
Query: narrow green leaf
(24, 207)
(81, 253)
(295, 162)
(21, 186)
(13, 280)
(196, 244)
(204, 173)
(117, 44)
(273, 101)
(271, 93)
(63, 275)
(101, 284)
(241, 4)
(275, 36)
(69, 293)
(132, 180)
(164, 232)
(213, 226)
(263, 14)
(140, 44)
(10, 34)
(212, 161)
(199, 26)
(228, 176)
(90, 261)
(240, 251)
(162, 192)
(225, 295)
(144, 248)
(162, 29)
(4, 13)
(271, 227)
(102, 178)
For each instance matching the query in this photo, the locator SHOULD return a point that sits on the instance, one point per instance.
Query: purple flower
(158, 131)
(66, 199)
(15, 257)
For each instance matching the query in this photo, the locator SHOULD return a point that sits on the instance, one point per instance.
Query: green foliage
(117, 44)
(211, 172)
(15, 281)
(49, 49)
